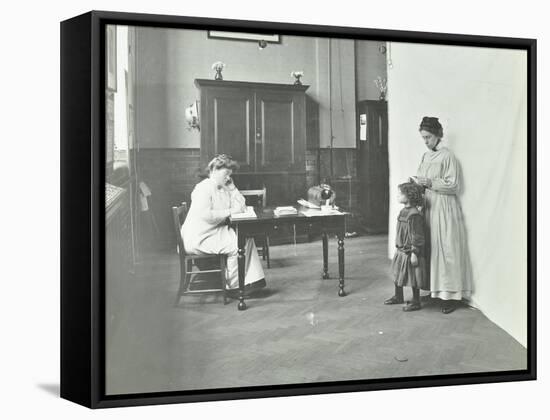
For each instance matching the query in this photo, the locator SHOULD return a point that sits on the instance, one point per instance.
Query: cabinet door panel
(280, 131)
(231, 127)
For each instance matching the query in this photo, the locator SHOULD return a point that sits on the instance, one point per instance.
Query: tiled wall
(312, 170)
(343, 176)
(171, 175)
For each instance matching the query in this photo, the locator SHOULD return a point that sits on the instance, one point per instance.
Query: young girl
(409, 265)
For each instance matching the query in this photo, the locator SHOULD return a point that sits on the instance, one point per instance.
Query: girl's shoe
(393, 301)
(448, 309)
(412, 306)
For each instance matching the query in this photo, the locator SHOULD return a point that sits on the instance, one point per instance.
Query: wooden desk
(267, 222)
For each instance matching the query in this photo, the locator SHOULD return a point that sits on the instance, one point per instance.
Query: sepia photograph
(313, 210)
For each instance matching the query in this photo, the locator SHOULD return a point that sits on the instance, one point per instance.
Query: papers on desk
(248, 214)
(308, 204)
(315, 212)
(285, 211)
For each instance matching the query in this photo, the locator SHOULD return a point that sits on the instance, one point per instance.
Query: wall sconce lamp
(192, 116)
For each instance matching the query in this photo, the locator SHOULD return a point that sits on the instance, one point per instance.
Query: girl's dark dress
(410, 236)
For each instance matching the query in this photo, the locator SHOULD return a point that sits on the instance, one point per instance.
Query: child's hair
(413, 192)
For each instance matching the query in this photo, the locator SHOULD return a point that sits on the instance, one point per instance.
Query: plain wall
(480, 96)
(169, 60)
(371, 63)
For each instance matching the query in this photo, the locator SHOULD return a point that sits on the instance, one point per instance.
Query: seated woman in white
(205, 229)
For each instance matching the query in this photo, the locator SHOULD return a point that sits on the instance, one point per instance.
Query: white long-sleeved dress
(449, 260)
(205, 231)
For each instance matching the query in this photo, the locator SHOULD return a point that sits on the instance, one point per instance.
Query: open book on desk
(285, 211)
(248, 214)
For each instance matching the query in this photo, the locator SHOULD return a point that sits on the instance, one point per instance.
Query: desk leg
(241, 265)
(325, 256)
(341, 264)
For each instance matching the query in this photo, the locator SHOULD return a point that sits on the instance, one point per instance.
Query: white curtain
(480, 96)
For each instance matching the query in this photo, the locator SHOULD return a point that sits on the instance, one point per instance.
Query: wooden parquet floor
(297, 330)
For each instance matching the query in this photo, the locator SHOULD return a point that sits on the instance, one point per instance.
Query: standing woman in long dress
(205, 229)
(439, 172)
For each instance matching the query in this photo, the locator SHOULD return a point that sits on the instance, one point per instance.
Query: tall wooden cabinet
(372, 165)
(263, 127)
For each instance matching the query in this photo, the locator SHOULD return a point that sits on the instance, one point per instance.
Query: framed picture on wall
(317, 234)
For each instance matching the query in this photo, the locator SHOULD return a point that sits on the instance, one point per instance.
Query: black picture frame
(83, 83)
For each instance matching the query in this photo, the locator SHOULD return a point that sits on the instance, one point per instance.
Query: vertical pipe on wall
(131, 40)
(341, 89)
(330, 103)
(318, 85)
(136, 152)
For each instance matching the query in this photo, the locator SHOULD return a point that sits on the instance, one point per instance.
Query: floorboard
(296, 330)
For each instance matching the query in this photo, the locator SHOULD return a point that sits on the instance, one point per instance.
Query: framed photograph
(356, 212)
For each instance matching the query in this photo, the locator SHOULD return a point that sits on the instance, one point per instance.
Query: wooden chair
(188, 260)
(263, 240)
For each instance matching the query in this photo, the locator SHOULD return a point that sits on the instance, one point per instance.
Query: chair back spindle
(261, 194)
(179, 214)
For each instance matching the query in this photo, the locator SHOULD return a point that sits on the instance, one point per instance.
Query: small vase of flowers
(382, 85)
(218, 66)
(297, 75)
